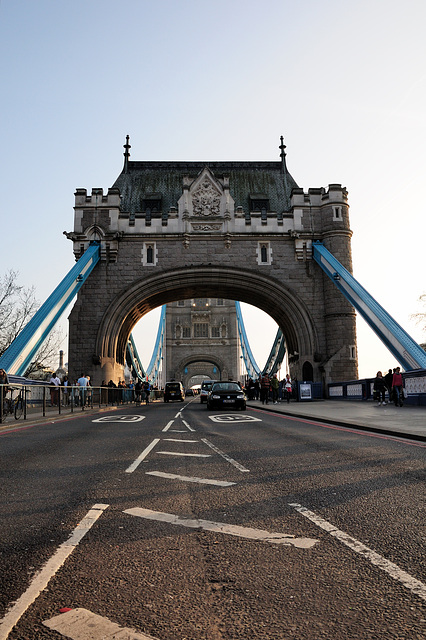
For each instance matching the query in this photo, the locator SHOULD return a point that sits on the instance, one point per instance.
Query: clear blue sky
(344, 82)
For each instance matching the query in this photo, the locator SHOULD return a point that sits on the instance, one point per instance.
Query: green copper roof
(140, 180)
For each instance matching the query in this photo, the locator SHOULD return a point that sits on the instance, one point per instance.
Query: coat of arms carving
(206, 199)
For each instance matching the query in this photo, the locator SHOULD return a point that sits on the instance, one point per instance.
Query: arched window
(307, 372)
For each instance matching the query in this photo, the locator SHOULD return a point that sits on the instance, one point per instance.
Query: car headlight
(240, 397)
(216, 397)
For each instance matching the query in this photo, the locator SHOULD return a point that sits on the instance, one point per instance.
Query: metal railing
(46, 400)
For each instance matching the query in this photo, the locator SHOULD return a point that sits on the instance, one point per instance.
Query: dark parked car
(226, 395)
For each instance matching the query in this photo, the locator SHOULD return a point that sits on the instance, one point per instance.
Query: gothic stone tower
(202, 339)
(233, 230)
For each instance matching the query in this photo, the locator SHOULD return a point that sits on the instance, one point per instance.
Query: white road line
(172, 476)
(192, 455)
(80, 624)
(42, 578)
(143, 455)
(417, 587)
(177, 440)
(225, 456)
(223, 527)
(177, 431)
(187, 425)
(179, 414)
(168, 425)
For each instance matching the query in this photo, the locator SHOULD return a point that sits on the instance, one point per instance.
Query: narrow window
(149, 254)
(264, 253)
(337, 213)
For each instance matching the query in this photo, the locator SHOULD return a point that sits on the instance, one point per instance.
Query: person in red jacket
(397, 387)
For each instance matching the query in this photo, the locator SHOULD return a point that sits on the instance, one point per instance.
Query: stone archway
(276, 299)
(215, 363)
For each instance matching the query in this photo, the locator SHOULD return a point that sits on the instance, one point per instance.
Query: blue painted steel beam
(157, 354)
(408, 353)
(133, 358)
(276, 355)
(250, 363)
(19, 355)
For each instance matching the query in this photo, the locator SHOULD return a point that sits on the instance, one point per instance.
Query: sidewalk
(406, 421)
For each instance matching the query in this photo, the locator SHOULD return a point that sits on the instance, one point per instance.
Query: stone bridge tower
(233, 230)
(202, 340)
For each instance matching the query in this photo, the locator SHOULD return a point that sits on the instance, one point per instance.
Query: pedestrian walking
(287, 388)
(379, 388)
(397, 387)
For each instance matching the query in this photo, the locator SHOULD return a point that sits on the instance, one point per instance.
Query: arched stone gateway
(201, 339)
(239, 231)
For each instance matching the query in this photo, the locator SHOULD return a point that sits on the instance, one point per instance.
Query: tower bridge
(240, 231)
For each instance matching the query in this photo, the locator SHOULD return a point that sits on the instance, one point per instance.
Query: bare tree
(18, 304)
(420, 316)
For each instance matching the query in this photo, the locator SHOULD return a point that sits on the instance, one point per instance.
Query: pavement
(407, 421)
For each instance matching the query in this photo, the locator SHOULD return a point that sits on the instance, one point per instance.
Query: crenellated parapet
(198, 201)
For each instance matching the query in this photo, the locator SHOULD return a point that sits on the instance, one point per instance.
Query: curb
(341, 423)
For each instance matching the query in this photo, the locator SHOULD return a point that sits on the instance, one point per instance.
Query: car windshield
(173, 386)
(226, 386)
(207, 385)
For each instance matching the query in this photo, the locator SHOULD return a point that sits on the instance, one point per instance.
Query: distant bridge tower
(201, 340)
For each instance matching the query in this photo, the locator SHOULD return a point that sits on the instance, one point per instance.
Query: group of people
(269, 388)
(66, 389)
(392, 383)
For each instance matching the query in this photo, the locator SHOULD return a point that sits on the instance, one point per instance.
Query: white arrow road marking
(168, 425)
(225, 456)
(42, 578)
(192, 455)
(172, 476)
(143, 455)
(81, 624)
(222, 527)
(177, 431)
(390, 568)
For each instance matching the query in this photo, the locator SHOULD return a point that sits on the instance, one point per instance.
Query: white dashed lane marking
(189, 455)
(173, 476)
(417, 587)
(222, 527)
(178, 440)
(225, 456)
(81, 624)
(42, 578)
(143, 455)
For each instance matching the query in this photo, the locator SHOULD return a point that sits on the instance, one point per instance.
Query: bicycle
(13, 406)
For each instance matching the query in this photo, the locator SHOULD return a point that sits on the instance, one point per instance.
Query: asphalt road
(185, 524)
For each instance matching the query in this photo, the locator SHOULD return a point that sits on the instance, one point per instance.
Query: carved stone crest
(206, 199)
